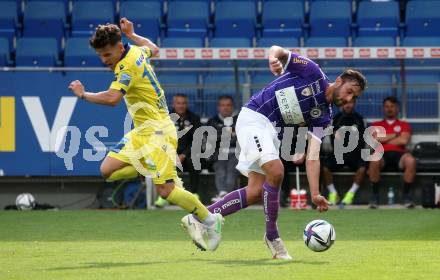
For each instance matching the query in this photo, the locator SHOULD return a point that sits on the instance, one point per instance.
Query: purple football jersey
(297, 97)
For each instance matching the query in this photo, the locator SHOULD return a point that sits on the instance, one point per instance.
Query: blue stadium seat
(283, 0)
(378, 18)
(79, 53)
(282, 19)
(267, 42)
(260, 79)
(374, 42)
(217, 84)
(330, 24)
(422, 99)
(8, 19)
(185, 83)
(5, 52)
(417, 41)
(37, 52)
(319, 42)
(422, 92)
(146, 17)
(60, 1)
(182, 42)
(369, 104)
(230, 43)
(85, 17)
(44, 19)
(423, 18)
(188, 19)
(235, 19)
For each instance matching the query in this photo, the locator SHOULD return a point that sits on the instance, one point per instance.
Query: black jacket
(185, 142)
(353, 119)
(218, 123)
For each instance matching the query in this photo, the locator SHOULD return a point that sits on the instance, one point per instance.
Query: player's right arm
(128, 29)
(110, 97)
(313, 170)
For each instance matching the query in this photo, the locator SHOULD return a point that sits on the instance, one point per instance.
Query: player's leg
(116, 165)
(115, 170)
(220, 174)
(357, 164)
(329, 166)
(161, 156)
(241, 198)
(274, 170)
(408, 164)
(374, 168)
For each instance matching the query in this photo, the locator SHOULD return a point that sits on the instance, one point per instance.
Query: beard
(336, 100)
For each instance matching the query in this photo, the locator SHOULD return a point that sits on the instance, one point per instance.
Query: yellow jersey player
(150, 148)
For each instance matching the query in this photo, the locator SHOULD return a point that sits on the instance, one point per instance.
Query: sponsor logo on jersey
(289, 105)
(300, 60)
(125, 79)
(307, 91)
(315, 112)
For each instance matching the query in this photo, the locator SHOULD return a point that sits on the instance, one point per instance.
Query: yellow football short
(152, 154)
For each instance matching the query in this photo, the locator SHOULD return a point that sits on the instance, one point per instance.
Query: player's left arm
(401, 139)
(278, 58)
(313, 170)
(128, 29)
(110, 97)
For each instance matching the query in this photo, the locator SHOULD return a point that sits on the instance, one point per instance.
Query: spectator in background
(353, 160)
(224, 122)
(187, 123)
(396, 157)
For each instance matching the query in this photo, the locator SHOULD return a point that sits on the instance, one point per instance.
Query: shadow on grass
(226, 263)
(259, 262)
(105, 265)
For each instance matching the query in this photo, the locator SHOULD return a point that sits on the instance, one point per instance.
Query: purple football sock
(230, 203)
(271, 202)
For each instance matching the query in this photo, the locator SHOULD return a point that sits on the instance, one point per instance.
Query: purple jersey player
(300, 96)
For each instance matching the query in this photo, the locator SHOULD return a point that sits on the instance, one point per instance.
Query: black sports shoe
(374, 202)
(408, 203)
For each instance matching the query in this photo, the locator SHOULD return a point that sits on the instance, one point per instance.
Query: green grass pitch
(382, 244)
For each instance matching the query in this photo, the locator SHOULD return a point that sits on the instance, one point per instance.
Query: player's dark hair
(108, 34)
(225, 97)
(391, 99)
(356, 76)
(181, 95)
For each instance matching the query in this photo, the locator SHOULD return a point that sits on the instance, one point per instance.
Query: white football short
(258, 141)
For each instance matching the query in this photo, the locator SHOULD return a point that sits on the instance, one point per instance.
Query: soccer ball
(25, 201)
(319, 235)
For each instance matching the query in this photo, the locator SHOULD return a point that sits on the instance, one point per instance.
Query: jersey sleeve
(147, 51)
(122, 81)
(301, 66)
(317, 128)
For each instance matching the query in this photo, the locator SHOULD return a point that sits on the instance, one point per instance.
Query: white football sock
(331, 188)
(210, 220)
(354, 188)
